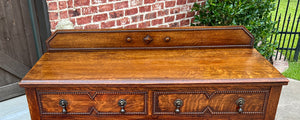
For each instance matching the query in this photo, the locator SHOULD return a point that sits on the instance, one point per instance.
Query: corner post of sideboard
(33, 103)
(273, 102)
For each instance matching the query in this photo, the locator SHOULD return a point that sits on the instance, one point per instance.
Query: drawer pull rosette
(178, 103)
(240, 102)
(122, 103)
(63, 103)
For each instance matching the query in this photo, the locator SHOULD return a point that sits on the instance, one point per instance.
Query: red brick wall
(98, 14)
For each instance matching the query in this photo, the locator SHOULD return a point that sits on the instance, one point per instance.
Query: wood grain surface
(18, 52)
(153, 67)
(218, 36)
(82, 103)
(208, 68)
(100, 103)
(220, 102)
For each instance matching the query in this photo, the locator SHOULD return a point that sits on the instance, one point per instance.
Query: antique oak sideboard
(155, 73)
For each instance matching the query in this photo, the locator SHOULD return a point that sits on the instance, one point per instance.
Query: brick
(63, 14)
(100, 17)
(134, 3)
(108, 7)
(163, 12)
(191, 1)
(121, 5)
(70, 4)
(181, 2)
(131, 26)
(73, 21)
(98, 1)
(74, 13)
(53, 24)
(150, 15)
(169, 4)
(78, 27)
(52, 6)
(185, 8)
(144, 24)
(123, 21)
(81, 3)
(84, 20)
(169, 19)
(131, 11)
(92, 26)
(53, 15)
(158, 6)
(192, 20)
(116, 14)
(156, 22)
(145, 9)
(107, 24)
(137, 18)
(174, 10)
(117, 28)
(62, 5)
(176, 24)
(148, 1)
(190, 14)
(180, 16)
(89, 10)
(184, 22)
(114, 0)
(163, 26)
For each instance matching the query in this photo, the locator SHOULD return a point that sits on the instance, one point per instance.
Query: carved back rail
(151, 38)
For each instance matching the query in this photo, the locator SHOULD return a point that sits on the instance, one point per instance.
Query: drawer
(214, 103)
(92, 102)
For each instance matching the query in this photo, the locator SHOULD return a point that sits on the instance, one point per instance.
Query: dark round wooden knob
(167, 39)
(128, 39)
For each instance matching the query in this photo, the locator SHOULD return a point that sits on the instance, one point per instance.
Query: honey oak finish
(169, 73)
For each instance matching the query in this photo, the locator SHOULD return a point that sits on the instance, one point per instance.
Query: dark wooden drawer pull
(167, 39)
(63, 103)
(122, 103)
(240, 102)
(148, 39)
(178, 103)
(128, 39)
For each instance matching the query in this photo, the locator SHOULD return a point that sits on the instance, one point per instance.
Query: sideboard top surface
(190, 55)
(174, 66)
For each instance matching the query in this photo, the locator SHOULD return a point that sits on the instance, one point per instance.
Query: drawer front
(215, 103)
(92, 102)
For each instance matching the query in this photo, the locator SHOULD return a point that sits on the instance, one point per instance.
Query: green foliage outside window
(253, 14)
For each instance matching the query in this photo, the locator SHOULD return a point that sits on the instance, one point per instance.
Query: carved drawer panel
(92, 102)
(217, 102)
